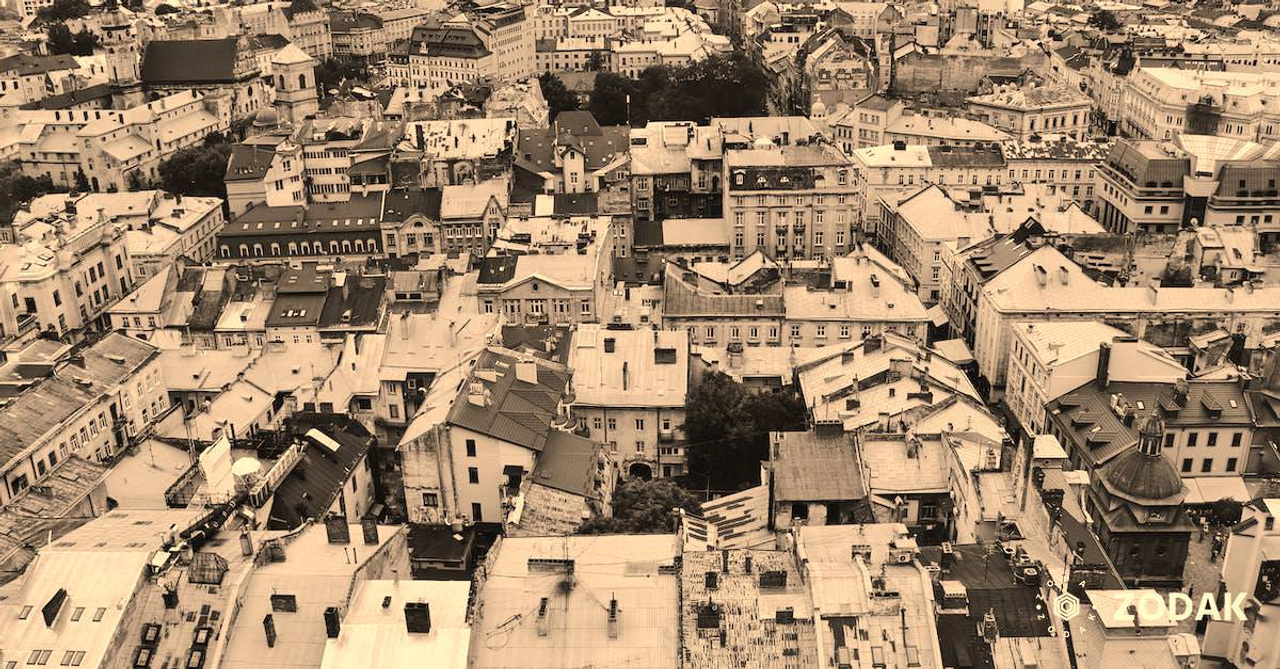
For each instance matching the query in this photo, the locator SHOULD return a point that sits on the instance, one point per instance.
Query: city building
(1024, 112)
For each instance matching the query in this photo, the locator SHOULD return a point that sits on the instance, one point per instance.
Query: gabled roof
(319, 477)
(507, 408)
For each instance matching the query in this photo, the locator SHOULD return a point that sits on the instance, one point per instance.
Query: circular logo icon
(1066, 605)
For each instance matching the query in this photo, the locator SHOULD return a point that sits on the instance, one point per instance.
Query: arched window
(293, 248)
(359, 246)
(302, 81)
(226, 251)
(257, 250)
(346, 246)
(275, 249)
(372, 245)
(244, 250)
(333, 247)
(281, 82)
(306, 248)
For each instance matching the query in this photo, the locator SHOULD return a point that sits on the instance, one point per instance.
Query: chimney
(246, 543)
(610, 344)
(332, 624)
(527, 371)
(626, 377)
(269, 626)
(1104, 365)
(613, 618)
(477, 394)
(541, 622)
(417, 618)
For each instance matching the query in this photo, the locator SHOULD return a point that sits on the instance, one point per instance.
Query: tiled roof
(685, 301)
(315, 483)
(512, 410)
(568, 463)
(812, 468)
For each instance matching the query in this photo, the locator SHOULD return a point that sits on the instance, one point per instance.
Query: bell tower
(293, 74)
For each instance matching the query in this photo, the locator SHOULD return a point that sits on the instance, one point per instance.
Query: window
(1192, 437)
(613, 424)
(1236, 439)
(477, 512)
(1231, 464)
(430, 499)
(471, 448)
(97, 615)
(639, 446)
(1186, 465)
(795, 331)
(393, 410)
(473, 475)
(1207, 465)
(597, 423)
(25, 613)
(639, 424)
(1212, 440)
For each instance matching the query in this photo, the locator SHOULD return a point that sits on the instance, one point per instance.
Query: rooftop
(529, 577)
(812, 468)
(511, 398)
(374, 633)
(621, 368)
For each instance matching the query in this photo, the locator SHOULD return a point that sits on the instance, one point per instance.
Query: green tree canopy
(60, 40)
(643, 507)
(197, 170)
(63, 10)
(17, 188)
(558, 96)
(1105, 20)
(728, 429)
(728, 85)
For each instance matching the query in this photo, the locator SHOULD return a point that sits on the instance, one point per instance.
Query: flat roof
(374, 633)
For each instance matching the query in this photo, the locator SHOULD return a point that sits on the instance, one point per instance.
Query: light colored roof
(694, 232)
(432, 342)
(374, 633)
(656, 364)
(1057, 342)
(891, 471)
(470, 200)
(606, 567)
(187, 369)
(290, 55)
(319, 574)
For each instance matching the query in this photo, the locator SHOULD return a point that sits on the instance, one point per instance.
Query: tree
(557, 94)
(197, 170)
(17, 188)
(85, 42)
(1105, 20)
(63, 10)
(163, 8)
(330, 74)
(728, 429)
(60, 40)
(610, 98)
(82, 181)
(643, 507)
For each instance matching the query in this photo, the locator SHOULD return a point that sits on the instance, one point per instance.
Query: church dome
(819, 109)
(1144, 478)
(267, 117)
(1152, 426)
(763, 143)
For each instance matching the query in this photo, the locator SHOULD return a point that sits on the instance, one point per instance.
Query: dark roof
(293, 310)
(683, 300)
(433, 39)
(575, 130)
(348, 21)
(536, 339)
(1257, 179)
(514, 411)
(188, 61)
(966, 156)
(401, 203)
(317, 480)
(989, 584)
(1141, 477)
(72, 98)
(576, 204)
(300, 7)
(568, 463)
(497, 269)
(647, 234)
(360, 300)
(359, 214)
(249, 162)
(437, 543)
(268, 41)
(1146, 164)
(26, 64)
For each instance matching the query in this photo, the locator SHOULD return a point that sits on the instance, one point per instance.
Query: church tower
(294, 75)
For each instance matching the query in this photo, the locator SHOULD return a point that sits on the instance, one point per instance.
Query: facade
(1163, 102)
(1024, 112)
(268, 233)
(628, 393)
(557, 286)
